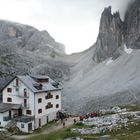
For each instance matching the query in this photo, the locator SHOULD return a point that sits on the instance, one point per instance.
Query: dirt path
(68, 123)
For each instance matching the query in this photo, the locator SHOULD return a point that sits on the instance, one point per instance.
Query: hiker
(63, 123)
(74, 121)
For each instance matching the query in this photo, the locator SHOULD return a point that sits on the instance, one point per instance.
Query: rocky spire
(110, 35)
(132, 25)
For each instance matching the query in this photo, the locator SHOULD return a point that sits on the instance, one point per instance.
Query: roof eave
(47, 90)
(8, 83)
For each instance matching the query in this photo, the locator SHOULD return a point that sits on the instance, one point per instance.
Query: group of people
(63, 117)
(64, 122)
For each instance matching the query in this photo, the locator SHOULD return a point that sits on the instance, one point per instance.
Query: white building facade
(31, 101)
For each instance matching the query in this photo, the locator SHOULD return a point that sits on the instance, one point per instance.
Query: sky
(74, 23)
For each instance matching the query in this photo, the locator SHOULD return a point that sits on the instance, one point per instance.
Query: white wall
(51, 113)
(42, 105)
(25, 129)
(5, 114)
(51, 117)
(17, 96)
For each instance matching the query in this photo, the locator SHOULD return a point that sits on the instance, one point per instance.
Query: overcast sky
(74, 23)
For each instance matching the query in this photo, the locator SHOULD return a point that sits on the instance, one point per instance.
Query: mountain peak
(132, 25)
(113, 32)
(107, 11)
(110, 35)
(28, 38)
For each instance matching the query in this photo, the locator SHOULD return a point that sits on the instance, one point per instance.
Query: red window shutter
(57, 105)
(17, 82)
(40, 100)
(9, 90)
(29, 112)
(57, 96)
(9, 99)
(39, 111)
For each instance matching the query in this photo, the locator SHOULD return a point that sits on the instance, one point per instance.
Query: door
(29, 127)
(20, 112)
(10, 114)
(39, 123)
(47, 119)
(25, 102)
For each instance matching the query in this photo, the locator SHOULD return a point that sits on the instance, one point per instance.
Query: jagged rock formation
(113, 32)
(110, 35)
(132, 26)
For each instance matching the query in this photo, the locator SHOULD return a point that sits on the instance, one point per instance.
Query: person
(63, 123)
(74, 121)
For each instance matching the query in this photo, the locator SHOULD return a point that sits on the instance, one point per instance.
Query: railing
(23, 96)
(25, 118)
(25, 105)
(7, 118)
(14, 84)
(49, 97)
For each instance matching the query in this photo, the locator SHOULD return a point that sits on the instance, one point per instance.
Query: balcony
(24, 95)
(25, 119)
(7, 118)
(25, 105)
(49, 96)
(16, 85)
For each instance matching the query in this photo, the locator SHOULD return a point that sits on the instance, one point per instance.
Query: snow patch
(127, 50)
(109, 61)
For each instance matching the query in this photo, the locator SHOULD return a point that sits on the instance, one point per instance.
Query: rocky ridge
(31, 51)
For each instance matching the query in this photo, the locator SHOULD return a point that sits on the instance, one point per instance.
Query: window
(25, 102)
(29, 112)
(39, 111)
(40, 100)
(57, 96)
(22, 125)
(49, 96)
(49, 105)
(57, 105)
(17, 89)
(25, 92)
(9, 99)
(17, 82)
(9, 89)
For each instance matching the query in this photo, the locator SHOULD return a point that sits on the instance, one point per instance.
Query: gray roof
(6, 107)
(30, 82)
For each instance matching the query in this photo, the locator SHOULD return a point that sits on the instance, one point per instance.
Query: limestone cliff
(132, 26)
(110, 35)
